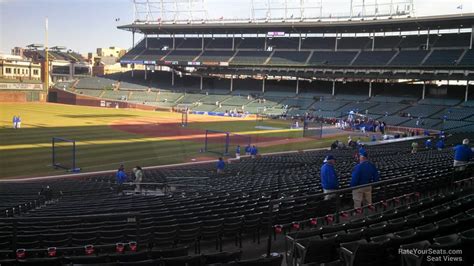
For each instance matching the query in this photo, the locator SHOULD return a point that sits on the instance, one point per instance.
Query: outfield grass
(27, 151)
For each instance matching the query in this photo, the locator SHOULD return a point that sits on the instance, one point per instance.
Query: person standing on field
(18, 122)
(237, 152)
(14, 121)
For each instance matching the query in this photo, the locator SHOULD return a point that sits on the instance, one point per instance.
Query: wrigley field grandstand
(294, 135)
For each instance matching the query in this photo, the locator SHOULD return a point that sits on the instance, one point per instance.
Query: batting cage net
(216, 142)
(225, 143)
(64, 154)
(238, 140)
(184, 109)
(312, 129)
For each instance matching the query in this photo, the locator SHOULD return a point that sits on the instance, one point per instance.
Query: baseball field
(106, 138)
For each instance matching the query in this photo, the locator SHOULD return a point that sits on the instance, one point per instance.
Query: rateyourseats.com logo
(434, 255)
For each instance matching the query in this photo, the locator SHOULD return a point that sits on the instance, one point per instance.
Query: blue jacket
(428, 144)
(329, 177)
(248, 149)
(462, 153)
(440, 144)
(364, 173)
(253, 151)
(237, 150)
(220, 165)
(121, 177)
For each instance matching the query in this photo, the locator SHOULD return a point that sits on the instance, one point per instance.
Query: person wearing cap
(462, 155)
(363, 173)
(329, 180)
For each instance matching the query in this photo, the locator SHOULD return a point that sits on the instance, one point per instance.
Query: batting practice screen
(64, 153)
(224, 143)
(312, 129)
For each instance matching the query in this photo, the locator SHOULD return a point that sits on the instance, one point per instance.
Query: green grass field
(27, 151)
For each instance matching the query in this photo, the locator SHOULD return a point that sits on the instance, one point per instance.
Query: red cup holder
(89, 249)
(52, 252)
(21, 253)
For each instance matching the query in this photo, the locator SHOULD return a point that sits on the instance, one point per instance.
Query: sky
(84, 25)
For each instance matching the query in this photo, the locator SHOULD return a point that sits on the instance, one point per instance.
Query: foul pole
(46, 60)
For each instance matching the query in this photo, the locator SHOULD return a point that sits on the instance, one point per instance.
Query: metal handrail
(319, 195)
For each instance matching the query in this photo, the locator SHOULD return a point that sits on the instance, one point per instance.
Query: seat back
(320, 250)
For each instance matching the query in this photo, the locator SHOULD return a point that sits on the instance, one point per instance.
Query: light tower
(46, 60)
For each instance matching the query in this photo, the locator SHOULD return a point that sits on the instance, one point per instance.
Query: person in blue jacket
(462, 155)
(428, 144)
(120, 178)
(440, 144)
(247, 150)
(220, 165)
(329, 179)
(363, 173)
(253, 152)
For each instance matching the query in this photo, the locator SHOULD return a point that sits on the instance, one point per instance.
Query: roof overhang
(346, 26)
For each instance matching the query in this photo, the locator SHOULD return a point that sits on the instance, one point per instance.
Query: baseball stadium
(294, 136)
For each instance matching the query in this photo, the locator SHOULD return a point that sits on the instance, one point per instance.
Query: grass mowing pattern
(27, 151)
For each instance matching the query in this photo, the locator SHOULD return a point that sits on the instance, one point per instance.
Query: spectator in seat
(329, 179)
(138, 172)
(363, 173)
(220, 165)
(462, 155)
